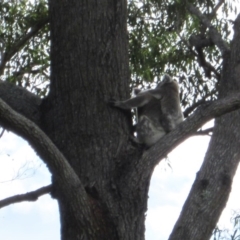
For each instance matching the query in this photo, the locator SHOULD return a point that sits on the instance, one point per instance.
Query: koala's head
(165, 80)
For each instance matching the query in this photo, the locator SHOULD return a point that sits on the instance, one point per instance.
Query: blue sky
(40, 220)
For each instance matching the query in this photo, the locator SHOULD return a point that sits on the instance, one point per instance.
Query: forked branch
(143, 168)
(214, 34)
(67, 180)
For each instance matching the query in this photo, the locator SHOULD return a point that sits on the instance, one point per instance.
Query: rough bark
(100, 179)
(88, 66)
(21, 100)
(212, 186)
(69, 184)
(135, 176)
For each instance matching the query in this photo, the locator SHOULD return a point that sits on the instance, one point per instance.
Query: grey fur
(158, 110)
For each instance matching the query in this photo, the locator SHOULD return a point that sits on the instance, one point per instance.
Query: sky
(22, 171)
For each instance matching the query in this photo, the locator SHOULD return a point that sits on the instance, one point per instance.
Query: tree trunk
(100, 178)
(211, 189)
(89, 65)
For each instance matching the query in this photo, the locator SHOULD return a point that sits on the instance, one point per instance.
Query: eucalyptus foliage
(160, 34)
(24, 38)
(229, 234)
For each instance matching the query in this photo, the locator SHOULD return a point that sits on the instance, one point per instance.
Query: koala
(147, 127)
(158, 110)
(168, 92)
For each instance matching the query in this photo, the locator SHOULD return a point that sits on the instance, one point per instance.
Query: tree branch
(67, 180)
(21, 100)
(30, 196)
(6, 56)
(215, 9)
(212, 186)
(214, 34)
(207, 131)
(190, 109)
(199, 42)
(167, 143)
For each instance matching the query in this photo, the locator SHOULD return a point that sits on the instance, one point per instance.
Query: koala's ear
(166, 79)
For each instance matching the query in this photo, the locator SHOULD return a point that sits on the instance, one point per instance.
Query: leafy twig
(214, 34)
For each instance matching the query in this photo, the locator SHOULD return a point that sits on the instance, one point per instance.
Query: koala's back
(170, 104)
(152, 110)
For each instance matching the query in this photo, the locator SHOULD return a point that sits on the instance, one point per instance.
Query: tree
(99, 177)
(232, 233)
